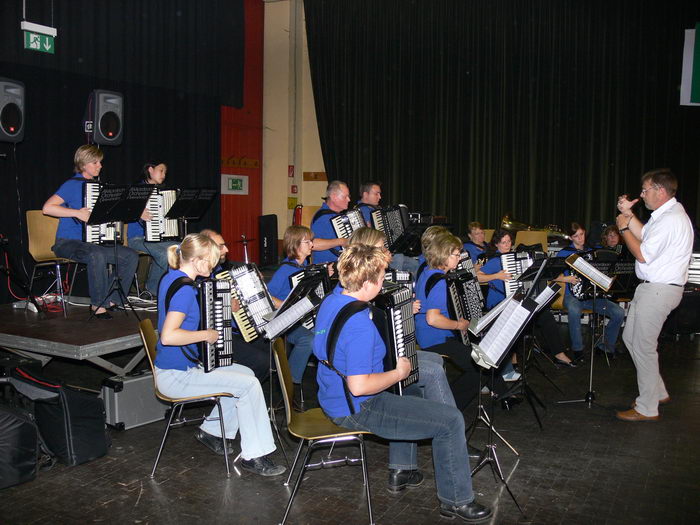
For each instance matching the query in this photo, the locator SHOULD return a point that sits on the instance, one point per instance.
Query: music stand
(118, 204)
(190, 205)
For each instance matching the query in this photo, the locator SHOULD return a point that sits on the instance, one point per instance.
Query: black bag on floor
(71, 421)
(19, 446)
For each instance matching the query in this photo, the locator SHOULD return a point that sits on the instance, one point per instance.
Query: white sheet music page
(490, 316)
(504, 330)
(590, 271)
(546, 295)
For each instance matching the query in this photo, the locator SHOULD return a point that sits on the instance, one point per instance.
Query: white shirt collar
(663, 208)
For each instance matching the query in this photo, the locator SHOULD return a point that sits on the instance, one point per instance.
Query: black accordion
(107, 233)
(465, 300)
(215, 314)
(248, 286)
(315, 275)
(402, 277)
(392, 314)
(393, 221)
(515, 264)
(160, 228)
(345, 223)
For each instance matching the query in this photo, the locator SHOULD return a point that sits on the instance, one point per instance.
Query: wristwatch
(623, 230)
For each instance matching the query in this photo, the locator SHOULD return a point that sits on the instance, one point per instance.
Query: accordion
(393, 221)
(99, 233)
(465, 300)
(392, 314)
(248, 287)
(515, 264)
(402, 277)
(317, 276)
(159, 228)
(215, 314)
(345, 223)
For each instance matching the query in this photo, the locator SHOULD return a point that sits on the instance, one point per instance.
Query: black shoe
(400, 479)
(213, 443)
(104, 316)
(563, 364)
(263, 466)
(471, 512)
(116, 308)
(509, 402)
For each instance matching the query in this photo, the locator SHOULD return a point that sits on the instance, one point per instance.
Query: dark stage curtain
(544, 108)
(175, 61)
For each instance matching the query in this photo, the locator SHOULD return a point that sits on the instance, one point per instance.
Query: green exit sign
(38, 42)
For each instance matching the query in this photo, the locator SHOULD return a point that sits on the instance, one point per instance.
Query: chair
(528, 238)
(41, 233)
(307, 213)
(313, 427)
(149, 338)
(488, 235)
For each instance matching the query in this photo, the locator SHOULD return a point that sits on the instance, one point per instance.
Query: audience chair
(41, 233)
(176, 419)
(313, 428)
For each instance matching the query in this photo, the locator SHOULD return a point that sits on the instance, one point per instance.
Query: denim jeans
(97, 257)
(425, 411)
(302, 340)
(246, 412)
(159, 259)
(400, 261)
(612, 311)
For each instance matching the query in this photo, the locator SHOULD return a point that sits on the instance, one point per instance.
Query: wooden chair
(488, 235)
(150, 339)
(313, 428)
(41, 234)
(307, 213)
(528, 238)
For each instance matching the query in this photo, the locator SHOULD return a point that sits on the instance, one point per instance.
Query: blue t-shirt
(474, 250)
(185, 301)
(279, 286)
(366, 210)
(71, 192)
(359, 350)
(497, 288)
(323, 229)
(437, 300)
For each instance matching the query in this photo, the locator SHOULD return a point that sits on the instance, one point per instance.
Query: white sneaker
(511, 376)
(485, 390)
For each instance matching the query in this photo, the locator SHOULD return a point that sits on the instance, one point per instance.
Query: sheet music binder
(119, 203)
(191, 203)
(300, 301)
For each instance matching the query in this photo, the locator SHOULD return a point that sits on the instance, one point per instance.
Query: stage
(47, 335)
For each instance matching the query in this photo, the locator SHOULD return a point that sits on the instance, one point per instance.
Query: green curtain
(545, 109)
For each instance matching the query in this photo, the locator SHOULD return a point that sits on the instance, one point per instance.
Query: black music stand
(190, 205)
(118, 204)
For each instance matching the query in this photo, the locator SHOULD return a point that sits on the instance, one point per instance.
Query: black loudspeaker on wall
(107, 110)
(268, 240)
(11, 110)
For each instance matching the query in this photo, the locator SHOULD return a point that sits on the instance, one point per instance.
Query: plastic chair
(314, 429)
(41, 233)
(150, 339)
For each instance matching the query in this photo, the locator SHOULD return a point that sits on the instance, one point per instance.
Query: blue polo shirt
(359, 350)
(323, 229)
(279, 286)
(437, 300)
(184, 301)
(71, 192)
(474, 250)
(497, 288)
(366, 210)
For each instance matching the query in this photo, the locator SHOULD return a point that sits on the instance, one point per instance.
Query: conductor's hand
(403, 366)
(212, 336)
(83, 214)
(462, 324)
(625, 205)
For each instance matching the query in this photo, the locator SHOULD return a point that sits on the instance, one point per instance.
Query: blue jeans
(612, 311)
(159, 259)
(425, 411)
(399, 261)
(97, 257)
(302, 340)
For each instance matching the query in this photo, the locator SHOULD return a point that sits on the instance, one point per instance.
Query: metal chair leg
(294, 464)
(162, 443)
(59, 286)
(297, 484)
(31, 282)
(366, 479)
(223, 436)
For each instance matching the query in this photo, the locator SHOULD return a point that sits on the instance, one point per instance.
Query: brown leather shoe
(633, 415)
(663, 401)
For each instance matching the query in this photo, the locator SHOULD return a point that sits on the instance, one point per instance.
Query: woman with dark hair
(151, 173)
(493, 273)
(476, 245)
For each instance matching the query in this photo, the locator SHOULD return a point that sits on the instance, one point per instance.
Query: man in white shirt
(662, 248)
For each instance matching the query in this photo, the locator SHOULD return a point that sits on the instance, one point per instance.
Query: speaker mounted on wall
(11, 110)
(107, 108)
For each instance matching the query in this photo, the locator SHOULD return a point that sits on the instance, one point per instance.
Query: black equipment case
(71, 421)
(19, 446)
(130, 401)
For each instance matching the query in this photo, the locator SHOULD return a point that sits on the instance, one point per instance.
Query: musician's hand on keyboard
(146, 215)
(416, 306)
(211, 336)
(235, 305)
(403, 367)
(504, 275)
(83, 214)
(462, 324)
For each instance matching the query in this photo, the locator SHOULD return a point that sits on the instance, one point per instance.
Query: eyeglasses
(645, 190)
(305, 241)
(455, 254)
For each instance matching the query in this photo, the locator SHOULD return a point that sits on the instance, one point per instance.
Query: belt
(669, 284)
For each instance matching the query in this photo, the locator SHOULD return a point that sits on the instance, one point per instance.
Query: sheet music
(546, 295)
(500, 336)
(490, 316)
(590, 271)
(288, 318)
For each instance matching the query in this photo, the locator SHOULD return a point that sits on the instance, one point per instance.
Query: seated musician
(178, 373)
(425, 240)
(435, 330)
(68, 205)
(576, 299)
(326, 243)
(476, 245)
(371, 194)
(256, 353)
(298, 242)
(493, 273)
(353, 393)
(152, 173)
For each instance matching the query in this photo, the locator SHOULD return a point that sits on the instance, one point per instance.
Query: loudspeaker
(268, 240)
(11, 110)
(107, 113)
